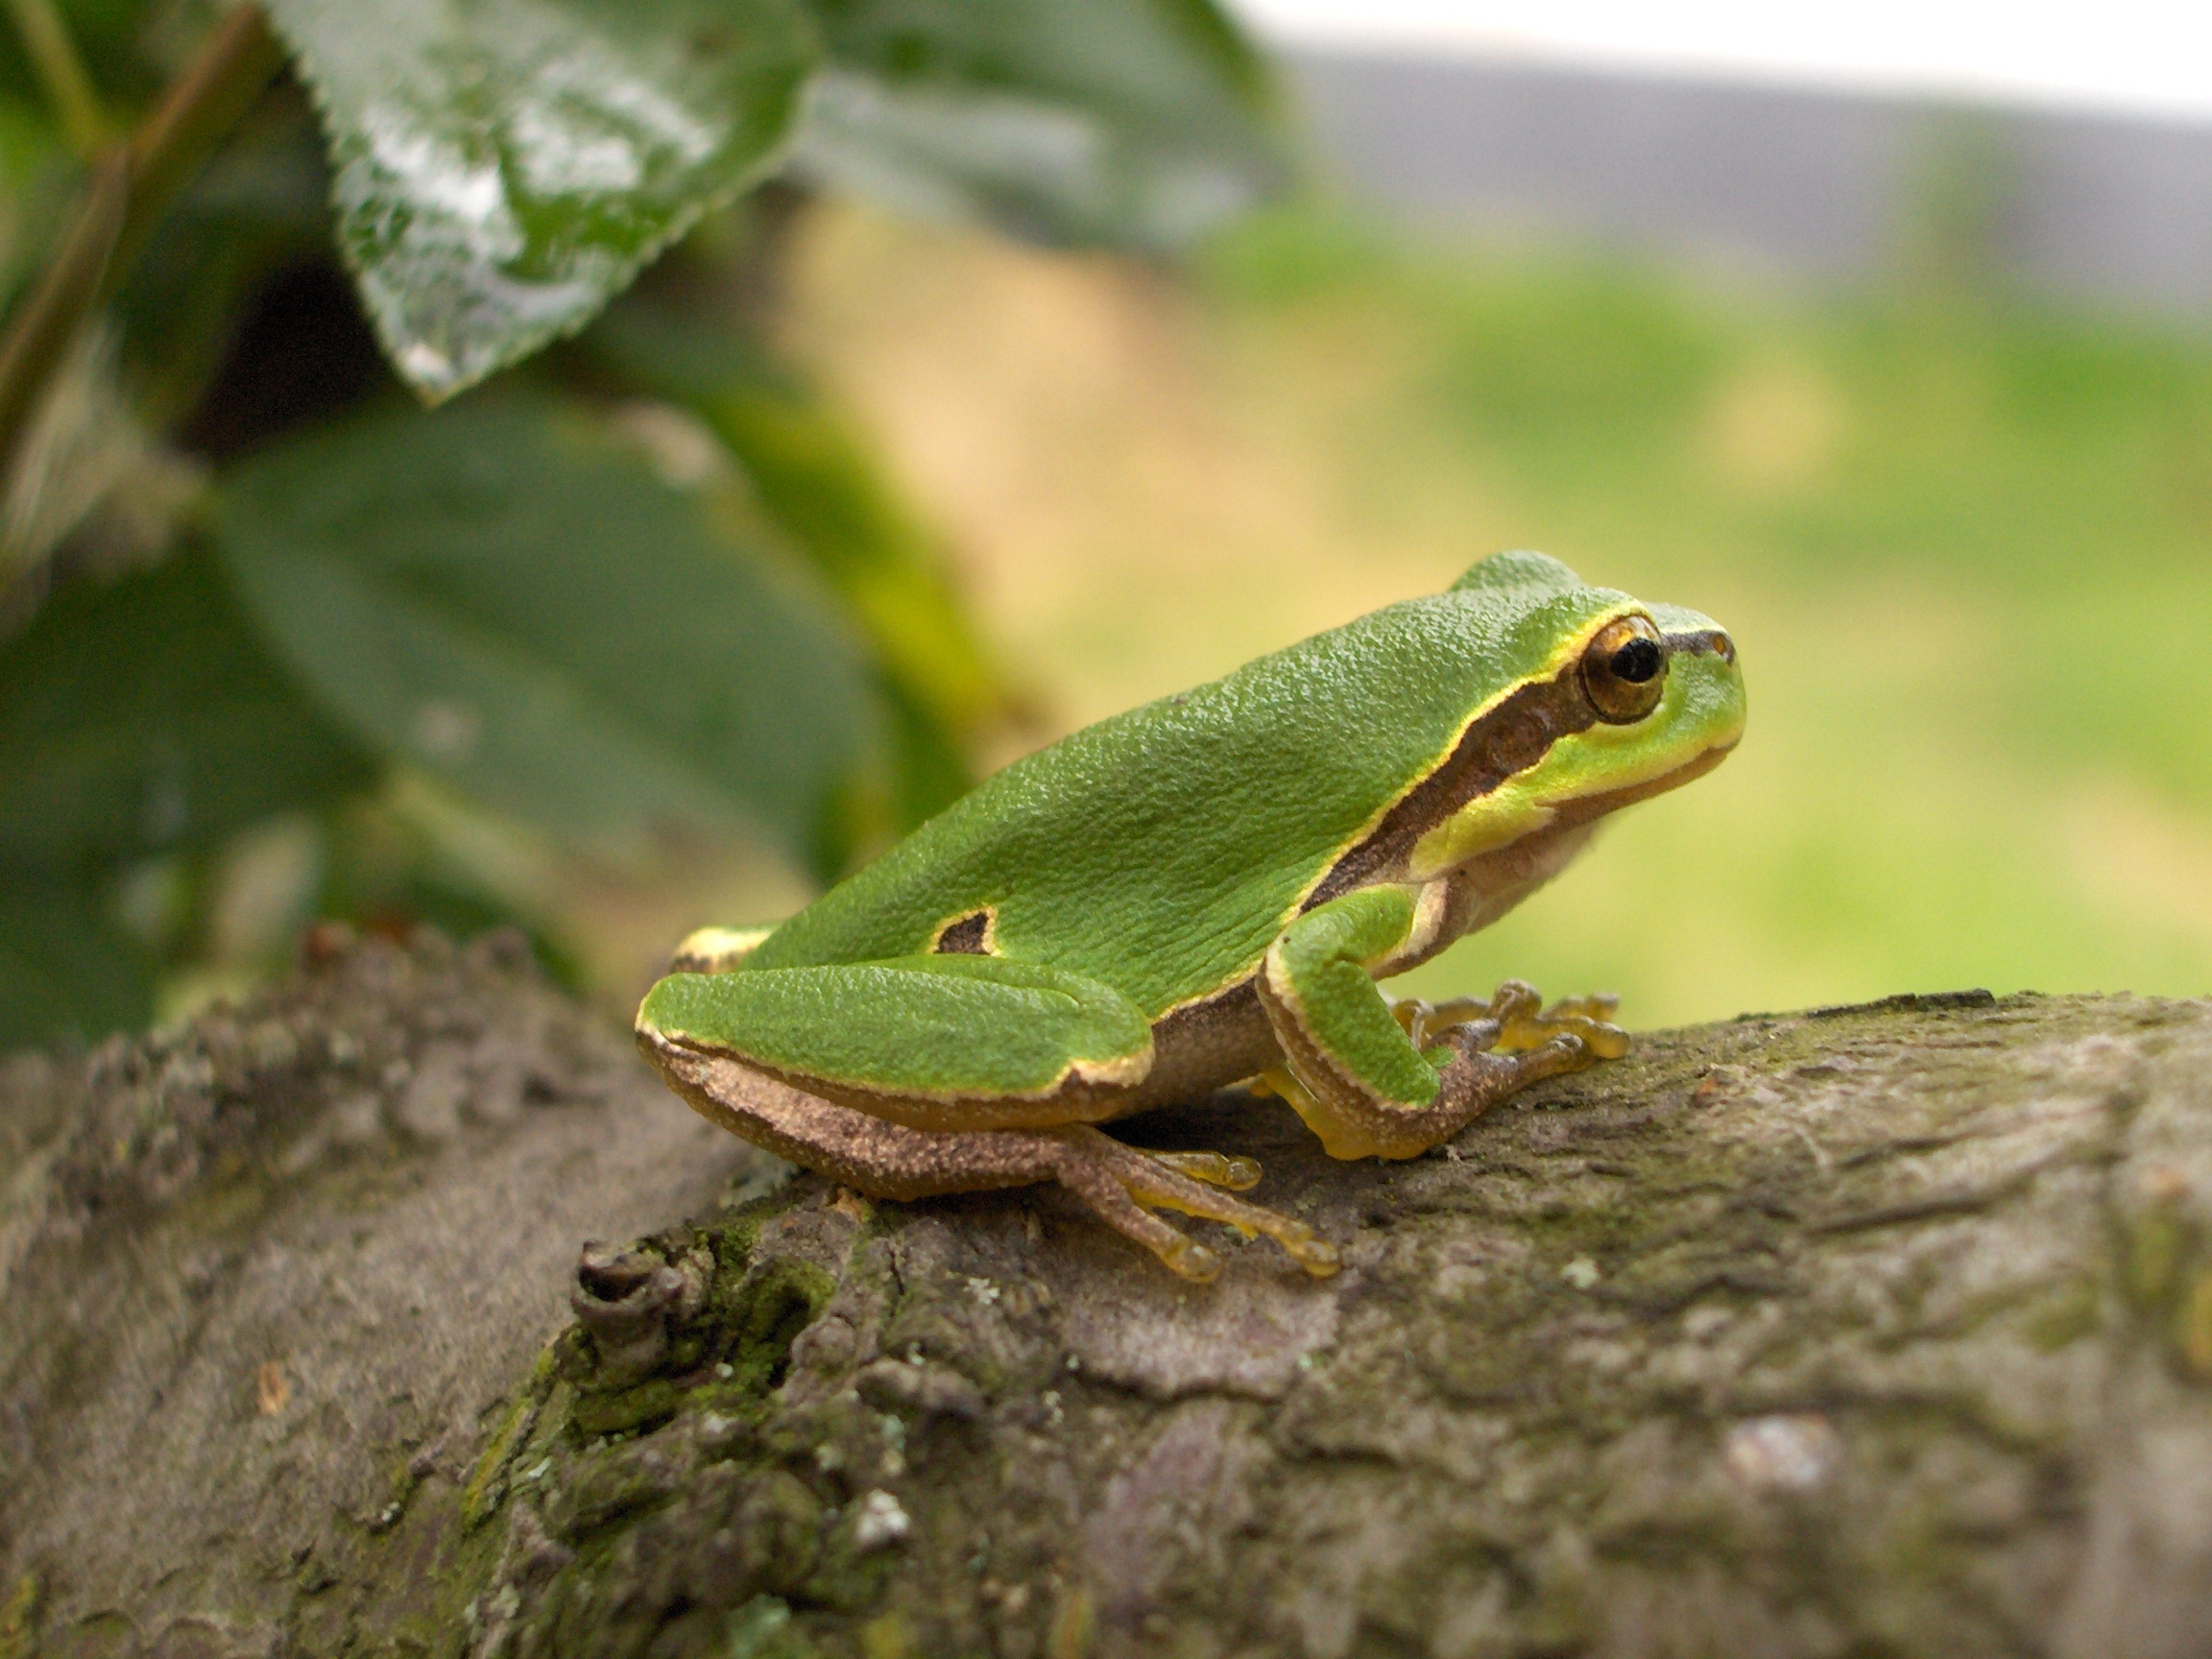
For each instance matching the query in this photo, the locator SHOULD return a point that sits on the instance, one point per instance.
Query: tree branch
(1876, 1330)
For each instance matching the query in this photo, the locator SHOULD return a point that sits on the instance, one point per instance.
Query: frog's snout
(1707, 696)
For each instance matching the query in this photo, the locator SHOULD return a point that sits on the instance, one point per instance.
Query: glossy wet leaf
(148, 715)
(502, 167)
(509, 599)
(1131, 123)
(66, 972)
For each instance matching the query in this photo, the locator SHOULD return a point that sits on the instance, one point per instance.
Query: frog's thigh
(889, 1161)
(1358, 1081)
(950, 1042)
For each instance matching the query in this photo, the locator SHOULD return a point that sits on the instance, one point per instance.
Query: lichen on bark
(1879, 1330)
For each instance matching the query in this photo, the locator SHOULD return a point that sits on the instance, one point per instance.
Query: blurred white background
(2153, 57)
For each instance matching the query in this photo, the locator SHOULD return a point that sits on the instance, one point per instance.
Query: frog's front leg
(1369, 1086)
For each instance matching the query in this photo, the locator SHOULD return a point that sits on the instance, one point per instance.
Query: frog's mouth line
(1583, 808)
(1571, 821)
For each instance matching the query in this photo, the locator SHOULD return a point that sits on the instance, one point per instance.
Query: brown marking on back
(967, 935)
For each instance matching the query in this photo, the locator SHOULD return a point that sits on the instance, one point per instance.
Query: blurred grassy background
(1962, 542)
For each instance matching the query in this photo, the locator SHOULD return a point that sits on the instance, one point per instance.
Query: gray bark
(1867, 1331)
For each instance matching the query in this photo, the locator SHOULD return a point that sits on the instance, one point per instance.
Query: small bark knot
(629, 1301)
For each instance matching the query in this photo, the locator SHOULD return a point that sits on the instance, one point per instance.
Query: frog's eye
(1624, 671)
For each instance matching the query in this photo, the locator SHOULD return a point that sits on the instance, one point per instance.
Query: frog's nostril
(1714, 641)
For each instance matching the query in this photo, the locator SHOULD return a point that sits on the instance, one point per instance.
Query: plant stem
(131, 185)
(228, 78)
(68, 88)
(48, 323)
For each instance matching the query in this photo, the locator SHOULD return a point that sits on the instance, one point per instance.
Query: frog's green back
(1161, 851)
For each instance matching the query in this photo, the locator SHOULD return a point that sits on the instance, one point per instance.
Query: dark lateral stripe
(1510, 738)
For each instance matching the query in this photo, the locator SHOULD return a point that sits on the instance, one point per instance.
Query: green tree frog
(1205, 890)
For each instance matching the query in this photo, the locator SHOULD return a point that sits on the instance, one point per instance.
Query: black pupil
(1636, 662)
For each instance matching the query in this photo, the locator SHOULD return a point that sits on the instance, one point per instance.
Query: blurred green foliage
(267, 623)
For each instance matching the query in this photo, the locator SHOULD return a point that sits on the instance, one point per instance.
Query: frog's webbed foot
(1514, 1021)
(1124, 1185)
(1498, 1047)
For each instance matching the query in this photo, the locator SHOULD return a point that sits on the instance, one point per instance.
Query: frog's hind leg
(887, 1160)
(1188, 1183)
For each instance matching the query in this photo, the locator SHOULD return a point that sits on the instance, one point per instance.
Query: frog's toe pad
(1227, 1171)
(1589, 1018)
(1191, 1259)
(1317, 1256)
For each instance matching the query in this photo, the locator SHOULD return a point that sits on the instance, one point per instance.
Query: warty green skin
(1197, 890)
(1162, 850)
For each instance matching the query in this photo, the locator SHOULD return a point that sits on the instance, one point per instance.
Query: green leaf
(147, 715)
(504, 596)
(1128, 123)
(815, 479)
(215, 281)
(503, 167)
(66, 974)
(832, 502)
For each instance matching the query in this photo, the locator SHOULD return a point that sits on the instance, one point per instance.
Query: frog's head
(1616, 701)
